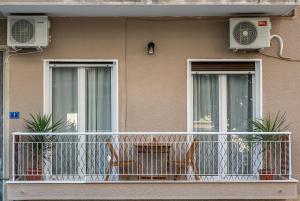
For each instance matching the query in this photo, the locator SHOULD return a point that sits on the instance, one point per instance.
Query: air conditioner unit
(249, 33)
(27, 31)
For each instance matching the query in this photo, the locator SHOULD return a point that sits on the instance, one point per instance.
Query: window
(65, 97)
(84, 95)
(223, 97)
(222, 102)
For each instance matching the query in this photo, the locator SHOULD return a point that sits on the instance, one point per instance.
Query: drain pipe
(280, 52)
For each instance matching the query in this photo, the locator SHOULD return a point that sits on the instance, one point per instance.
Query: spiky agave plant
(269, 123)
(42, 124)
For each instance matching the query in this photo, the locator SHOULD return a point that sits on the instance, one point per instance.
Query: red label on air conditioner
(262, 23)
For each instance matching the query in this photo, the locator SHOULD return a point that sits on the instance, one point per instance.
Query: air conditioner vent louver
(249, 33)
(245, 33)
(22, 31)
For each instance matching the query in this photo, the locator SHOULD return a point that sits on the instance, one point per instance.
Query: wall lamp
(151, 47)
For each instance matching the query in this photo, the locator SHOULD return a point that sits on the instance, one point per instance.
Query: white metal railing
(143, 156)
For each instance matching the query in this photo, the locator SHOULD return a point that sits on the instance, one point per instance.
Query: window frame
(257, 86)
(4, 52)
(47, 90)
(257, 93)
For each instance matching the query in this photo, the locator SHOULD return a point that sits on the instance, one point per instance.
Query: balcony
(142, 165)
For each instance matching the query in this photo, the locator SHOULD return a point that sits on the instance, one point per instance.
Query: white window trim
(5, 112)
(257, 87)
(47, 106)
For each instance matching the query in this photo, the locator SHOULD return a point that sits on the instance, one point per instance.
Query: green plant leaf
(270, 123)
(42, 123)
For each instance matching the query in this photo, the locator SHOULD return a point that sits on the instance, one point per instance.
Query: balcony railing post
(290, 157)
(222, 150)
(13, 157)
(82, 157)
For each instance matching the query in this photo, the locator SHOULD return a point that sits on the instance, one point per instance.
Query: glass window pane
(206, 118)
(98, 118)
(205, 103)
(64, 97)
(239, 102)
(98, 99)
(65, 107)
(239, 112)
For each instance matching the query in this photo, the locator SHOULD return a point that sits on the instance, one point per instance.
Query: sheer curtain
(206, 103)
(64, 97)
(239, 102)
(98, 117)
(98, 99)
(233, 156)
(65, 108)
(239, 112)
(206, 119)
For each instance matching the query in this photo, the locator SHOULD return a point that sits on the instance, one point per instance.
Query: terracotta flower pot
(266, 174)
(34, 174)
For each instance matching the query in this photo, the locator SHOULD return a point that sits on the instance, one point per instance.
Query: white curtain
(64, 97)
(239, 112)
(206, 103)
(239, 102)
(98, 118)
(98, 99)
(65, 108)
(206, 119)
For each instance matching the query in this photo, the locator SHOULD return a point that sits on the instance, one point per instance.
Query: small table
(153, 151)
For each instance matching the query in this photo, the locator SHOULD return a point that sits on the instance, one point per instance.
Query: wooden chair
(115, 162)
(189, 161)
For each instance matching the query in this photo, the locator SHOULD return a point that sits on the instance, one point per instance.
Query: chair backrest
(112, 150)
(191, 150)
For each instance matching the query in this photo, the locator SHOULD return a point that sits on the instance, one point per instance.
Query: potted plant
(270, 124)
(39, 123)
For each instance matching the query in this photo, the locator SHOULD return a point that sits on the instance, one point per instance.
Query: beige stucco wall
(156, 87)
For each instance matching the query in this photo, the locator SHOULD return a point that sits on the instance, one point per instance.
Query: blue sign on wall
(14, 115)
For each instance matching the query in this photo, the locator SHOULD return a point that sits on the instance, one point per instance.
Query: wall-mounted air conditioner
(27, 31)
(249, 33)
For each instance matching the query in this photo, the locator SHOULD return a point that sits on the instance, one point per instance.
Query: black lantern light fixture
(151, 47)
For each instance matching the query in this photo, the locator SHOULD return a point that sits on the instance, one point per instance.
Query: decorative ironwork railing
(144, 156)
